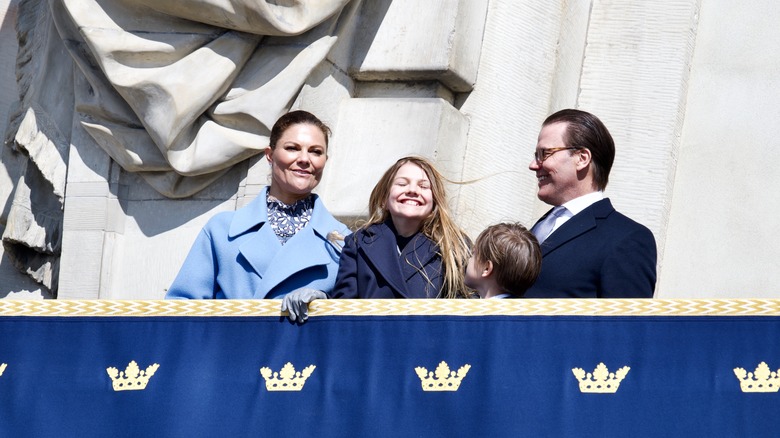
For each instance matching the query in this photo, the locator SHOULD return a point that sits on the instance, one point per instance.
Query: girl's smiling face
(410, 200)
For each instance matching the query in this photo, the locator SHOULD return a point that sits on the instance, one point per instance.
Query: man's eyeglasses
(542, 154)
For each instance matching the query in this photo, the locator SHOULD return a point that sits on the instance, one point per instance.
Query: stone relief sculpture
(183, 90)
(177, 91)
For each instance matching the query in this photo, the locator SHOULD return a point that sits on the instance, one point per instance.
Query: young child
(505, 262)
(410, 246)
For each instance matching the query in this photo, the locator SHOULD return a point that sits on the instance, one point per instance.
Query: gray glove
(297, 303)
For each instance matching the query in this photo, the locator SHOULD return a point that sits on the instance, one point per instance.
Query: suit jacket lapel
(381, 249)
(579, 224)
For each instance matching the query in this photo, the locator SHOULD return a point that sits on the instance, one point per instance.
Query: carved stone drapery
(178, 91)
(181, 91)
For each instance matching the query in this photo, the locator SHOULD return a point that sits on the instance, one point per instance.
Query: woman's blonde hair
(438, 226)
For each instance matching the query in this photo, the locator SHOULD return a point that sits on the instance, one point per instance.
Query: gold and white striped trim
(529, 307)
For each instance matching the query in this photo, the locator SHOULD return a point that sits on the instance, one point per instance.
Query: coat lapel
(299, 253)
(261, 247)
(381, 249)
(579, 224)
(419, 253)
(309, 247)
(272, 261)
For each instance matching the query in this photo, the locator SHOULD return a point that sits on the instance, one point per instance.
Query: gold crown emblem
(760, 380)
(442, 379)
(601, 381)
(2, 368)
(287, 379)
(132, 378)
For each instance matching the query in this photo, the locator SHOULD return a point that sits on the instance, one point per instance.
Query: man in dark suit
(589, 250)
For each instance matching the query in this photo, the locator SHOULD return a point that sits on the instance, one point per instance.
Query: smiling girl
(410, 246)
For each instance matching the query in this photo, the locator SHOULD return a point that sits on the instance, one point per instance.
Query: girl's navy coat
(371, 267)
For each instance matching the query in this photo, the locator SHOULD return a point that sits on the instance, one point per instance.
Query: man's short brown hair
(584, 130)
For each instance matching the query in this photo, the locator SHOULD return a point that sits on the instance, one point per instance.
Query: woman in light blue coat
(283, 240)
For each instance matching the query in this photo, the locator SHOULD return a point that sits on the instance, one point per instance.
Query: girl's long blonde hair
(438, 226)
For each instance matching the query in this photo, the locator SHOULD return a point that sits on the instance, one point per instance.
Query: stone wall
(13, 283)
(687, 88)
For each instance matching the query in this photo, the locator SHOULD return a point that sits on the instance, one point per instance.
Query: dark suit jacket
(598, 253)
(370, 266)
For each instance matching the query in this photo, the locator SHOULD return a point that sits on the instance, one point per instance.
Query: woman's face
(297, 162)
(410, 200)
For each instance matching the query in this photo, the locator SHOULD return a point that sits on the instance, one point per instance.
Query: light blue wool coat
(238, 256)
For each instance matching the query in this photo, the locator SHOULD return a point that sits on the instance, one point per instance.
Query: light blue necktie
(545, 227)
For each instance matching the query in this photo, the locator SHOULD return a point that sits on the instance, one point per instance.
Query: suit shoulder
(622, 228)
(605, 210)
(626, 221)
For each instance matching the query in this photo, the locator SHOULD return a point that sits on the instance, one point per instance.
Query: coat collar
(254, 214)
(274, 262)
(381, 249)
(419, 253)
(580, 223)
